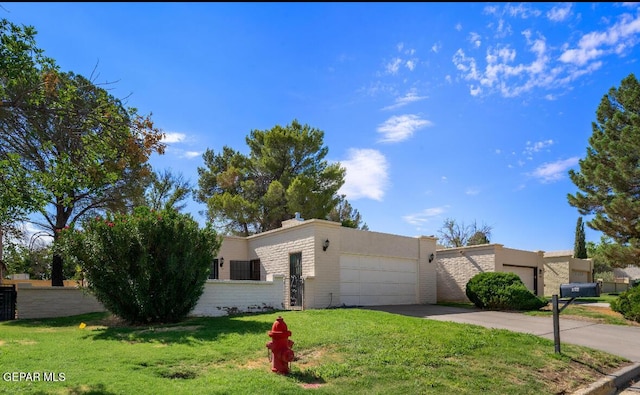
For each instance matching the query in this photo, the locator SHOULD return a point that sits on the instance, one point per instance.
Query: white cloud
(170, 138)
(411, 64)
(550, 172)
(401, 127)
(410, 97)
(538, 146)
(615, 39)
(436, 47)
(191, 154)
(472, 191)
(366, 174)
(425, 215)
(393, 66)
(474, 38)
(541, 65)
(560, 13)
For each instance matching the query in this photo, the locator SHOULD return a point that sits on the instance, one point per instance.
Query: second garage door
(370, 281)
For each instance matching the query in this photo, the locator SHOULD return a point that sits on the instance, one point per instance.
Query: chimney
(293, 221)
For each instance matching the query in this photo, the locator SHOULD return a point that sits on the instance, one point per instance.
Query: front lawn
(338, 351)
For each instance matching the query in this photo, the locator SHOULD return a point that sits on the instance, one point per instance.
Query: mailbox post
(573, 291)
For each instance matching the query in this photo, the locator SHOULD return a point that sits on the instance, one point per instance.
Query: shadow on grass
(96, 389)
(191, 330)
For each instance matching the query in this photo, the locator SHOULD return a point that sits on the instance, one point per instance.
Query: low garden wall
(224, 297)
(220, 298)
(49, 302)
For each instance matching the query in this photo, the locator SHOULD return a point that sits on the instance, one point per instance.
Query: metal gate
(296, 285)
(8, 296)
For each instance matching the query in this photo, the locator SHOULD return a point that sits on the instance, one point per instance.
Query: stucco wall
(232, 248)
(48, 302)
(223, 297)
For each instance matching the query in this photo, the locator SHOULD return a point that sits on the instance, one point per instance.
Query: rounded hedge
(149, 266)
(501, 291)
(628, 304)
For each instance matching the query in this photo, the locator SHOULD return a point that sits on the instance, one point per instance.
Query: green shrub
(501, 291)
(628, 304)
(147, 267)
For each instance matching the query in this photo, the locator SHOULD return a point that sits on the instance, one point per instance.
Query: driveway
(618, 340)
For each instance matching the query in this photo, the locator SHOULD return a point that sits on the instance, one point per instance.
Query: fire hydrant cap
(279, 327)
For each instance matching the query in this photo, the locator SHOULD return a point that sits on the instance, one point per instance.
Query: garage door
(527, 274)
(370, 281)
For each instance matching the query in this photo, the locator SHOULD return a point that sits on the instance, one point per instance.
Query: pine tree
(580, 244)
(609, 176)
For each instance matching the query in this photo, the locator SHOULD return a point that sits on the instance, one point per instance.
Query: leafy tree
(580, 247)
(346, 215)
(285, 172)
(145, 267)
(167, 190)
(79, 147)
(455, 234)
(609, 175)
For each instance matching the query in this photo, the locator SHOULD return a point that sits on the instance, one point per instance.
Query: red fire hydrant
(280, 346)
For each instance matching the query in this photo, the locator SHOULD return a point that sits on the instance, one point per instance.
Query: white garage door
(526, 274)
(370, 281)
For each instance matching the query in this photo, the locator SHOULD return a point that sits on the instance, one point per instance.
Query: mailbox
(579, 290)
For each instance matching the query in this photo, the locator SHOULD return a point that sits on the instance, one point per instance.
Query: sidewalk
(619, 340)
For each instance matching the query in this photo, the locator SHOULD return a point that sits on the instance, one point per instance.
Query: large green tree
(344, 213)
(579, 244)
(80, 147)
(285, 172)
(608, 181)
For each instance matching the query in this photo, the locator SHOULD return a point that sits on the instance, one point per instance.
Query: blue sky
(468, 111)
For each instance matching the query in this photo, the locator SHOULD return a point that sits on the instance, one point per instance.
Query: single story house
(560, 267)
(456, 266)
(324, 264)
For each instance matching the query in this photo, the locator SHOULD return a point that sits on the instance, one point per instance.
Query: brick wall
(454, 269)
(48, 302)
(221, 297)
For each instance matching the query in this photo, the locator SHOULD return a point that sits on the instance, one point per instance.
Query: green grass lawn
(338, 351)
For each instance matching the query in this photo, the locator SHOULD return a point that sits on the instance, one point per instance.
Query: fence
(7, 302)
(220, 298)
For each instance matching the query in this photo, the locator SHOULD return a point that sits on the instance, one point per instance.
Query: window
(245, 270)
(213, 273)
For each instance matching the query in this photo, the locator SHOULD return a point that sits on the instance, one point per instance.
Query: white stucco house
(324, 264)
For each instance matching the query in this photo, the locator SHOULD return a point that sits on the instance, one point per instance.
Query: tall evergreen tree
(580, 244)
(285, 172)
(609, 176)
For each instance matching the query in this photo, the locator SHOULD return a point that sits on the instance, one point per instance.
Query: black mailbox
(578, 290)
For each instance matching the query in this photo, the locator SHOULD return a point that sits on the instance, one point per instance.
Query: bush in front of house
(628, 304)
(501, 291)
(145, 267)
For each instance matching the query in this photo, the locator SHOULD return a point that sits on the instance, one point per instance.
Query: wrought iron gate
(8, 298)
(296, 283)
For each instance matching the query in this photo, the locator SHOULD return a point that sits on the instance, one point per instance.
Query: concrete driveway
(619, 340)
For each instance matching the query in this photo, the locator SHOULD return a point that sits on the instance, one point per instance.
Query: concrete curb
(613, 382)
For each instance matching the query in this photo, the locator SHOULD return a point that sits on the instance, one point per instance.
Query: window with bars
(245, 270)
